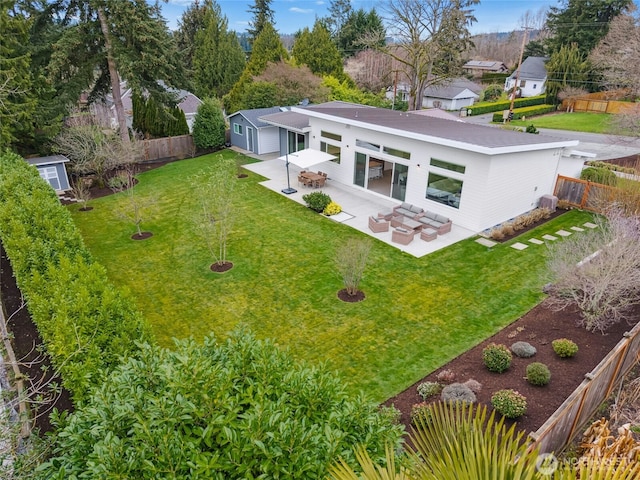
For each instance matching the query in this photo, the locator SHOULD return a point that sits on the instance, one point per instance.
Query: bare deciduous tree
(370, 69)
(351, 260)
(627, 122)
(215, 192)
(137, 208)
(599, 271)
(571, 94)
(618, 54)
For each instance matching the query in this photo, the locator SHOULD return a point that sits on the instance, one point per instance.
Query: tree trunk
(115, 80)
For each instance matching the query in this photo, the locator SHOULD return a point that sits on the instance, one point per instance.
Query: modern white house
(531, 79)
(476, 175)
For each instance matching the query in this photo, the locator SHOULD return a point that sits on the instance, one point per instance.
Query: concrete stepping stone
(536, 241)
(590, 225)
(563, 233)
(486, 242)
(577, 229)
(549, 237)
(519, 246)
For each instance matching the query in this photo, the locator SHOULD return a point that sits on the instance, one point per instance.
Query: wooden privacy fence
(578, 408)
(580, 193)
(168, 147)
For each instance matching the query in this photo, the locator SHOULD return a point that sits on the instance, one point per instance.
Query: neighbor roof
(532, 68)
(454, 89)
(485, 65)
(462, 135)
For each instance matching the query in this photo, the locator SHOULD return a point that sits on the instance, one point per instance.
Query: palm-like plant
(461, 441)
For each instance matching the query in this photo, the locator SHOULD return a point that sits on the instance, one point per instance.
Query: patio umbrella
(303, 159)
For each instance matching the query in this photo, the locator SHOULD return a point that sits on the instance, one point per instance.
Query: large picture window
(295, 142)
(444, 190)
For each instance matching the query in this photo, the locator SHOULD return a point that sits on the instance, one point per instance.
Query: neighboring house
(53, 170)
(250, 133)
(478, 67)
(452, 95)
(188, 103)
(478, 176)
(532, 77)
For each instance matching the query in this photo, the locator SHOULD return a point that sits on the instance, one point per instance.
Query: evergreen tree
(566, 68)
(262, 15)
(316, 50)
(17, 102)
(359, 30)
(110, 40)
(190, 24)
(218, 59)
(209, 125)
(582, 23)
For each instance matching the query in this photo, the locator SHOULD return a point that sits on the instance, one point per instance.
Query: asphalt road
(604, 146)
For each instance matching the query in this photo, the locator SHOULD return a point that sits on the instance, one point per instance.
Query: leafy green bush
(532, 129)
(86, 325)
(457, 392)
(488, 107)
(509, 403)
(523, 349)
(564, 347)
(317, 201)
(429, 389)
(496, 357)
(527, 112)
(239, 408)
(209, 125)
(599, 175)
(492, 93)
(538, 374)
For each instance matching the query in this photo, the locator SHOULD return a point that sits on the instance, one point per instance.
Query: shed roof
(47, 160)
(462, 135)
(253, 115)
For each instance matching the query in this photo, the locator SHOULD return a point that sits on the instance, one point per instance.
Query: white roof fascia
(443, 141)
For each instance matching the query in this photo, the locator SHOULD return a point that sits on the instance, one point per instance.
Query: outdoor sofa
(439, 223)
(407, 210)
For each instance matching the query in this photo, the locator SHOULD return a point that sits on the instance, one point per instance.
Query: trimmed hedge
(526, 112)
(488, 107)
(85, 323)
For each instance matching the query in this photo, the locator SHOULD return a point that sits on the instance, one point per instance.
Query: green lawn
(579, 122)
(417, 315)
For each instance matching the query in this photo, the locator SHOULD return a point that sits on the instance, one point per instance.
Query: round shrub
(429, 389)
(538, 374)
(523, 349)
(474, 385)
(564, 347)
(457, 392)
(599, 175)
(496, 357)
(332, 209)
(420, 411)
(509, 403)
(446, 376)
(317, 201)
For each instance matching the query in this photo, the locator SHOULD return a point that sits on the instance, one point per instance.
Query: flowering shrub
(446, 376)
(564, 347)
(332, 209)
(429, 389)
(509, 403)
(422, 411)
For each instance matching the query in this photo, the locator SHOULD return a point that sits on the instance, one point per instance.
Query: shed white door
(50, 174)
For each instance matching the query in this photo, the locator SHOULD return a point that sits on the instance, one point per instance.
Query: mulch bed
(539, 327)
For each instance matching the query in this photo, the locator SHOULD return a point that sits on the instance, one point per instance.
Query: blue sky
(293, 15)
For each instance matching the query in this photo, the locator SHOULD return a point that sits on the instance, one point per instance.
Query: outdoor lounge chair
(402, 236)
(378, 225)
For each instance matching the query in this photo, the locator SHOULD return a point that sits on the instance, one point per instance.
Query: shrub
(496, 234)
(429, 389)
(488, 107)
(422, 411)
(474, 385)
(599, 175)
(446, 376)
(496, 357)
(509, 403)
(527, 112)
(332, 209)
(532, 129)
(457, 392)
(564, 347)
(317, 201)
(538, 374)
(523, 349)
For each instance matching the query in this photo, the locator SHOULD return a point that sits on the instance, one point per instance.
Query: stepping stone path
(536, 241)
(486, 242)
(590, 225)
(549, 237)
(563, 233)
(577, 229)
(521, 246)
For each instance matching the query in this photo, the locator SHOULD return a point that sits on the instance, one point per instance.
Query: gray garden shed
(53, 170)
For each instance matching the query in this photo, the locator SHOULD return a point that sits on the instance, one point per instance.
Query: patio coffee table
(405, 222)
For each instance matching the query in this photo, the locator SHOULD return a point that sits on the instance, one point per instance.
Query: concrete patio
(357, 205)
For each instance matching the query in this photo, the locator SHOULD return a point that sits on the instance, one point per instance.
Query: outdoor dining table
(313, 177)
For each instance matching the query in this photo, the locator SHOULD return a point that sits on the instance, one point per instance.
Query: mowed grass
(576, 121)
(417, 315)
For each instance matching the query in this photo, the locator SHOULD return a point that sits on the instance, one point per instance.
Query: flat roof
(47, 160)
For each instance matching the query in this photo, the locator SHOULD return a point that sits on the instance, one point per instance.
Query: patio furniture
(405, 222)
(428, 234)
(440, 223)
(407, 210)
(402, 236)
(313, 179)
(378, 225)
(387, 213)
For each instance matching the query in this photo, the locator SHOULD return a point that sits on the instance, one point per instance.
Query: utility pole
(515, 87)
